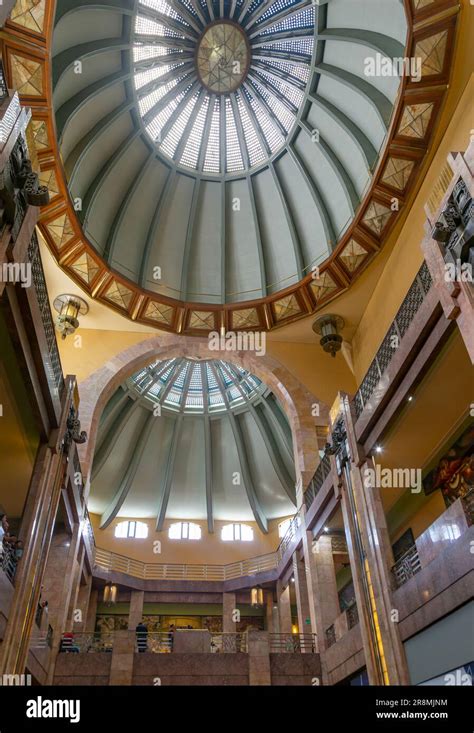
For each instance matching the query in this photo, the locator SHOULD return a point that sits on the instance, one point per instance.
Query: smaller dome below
(223, 57)
(186, 385)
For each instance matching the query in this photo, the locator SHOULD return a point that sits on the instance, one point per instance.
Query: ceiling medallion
(222, 57)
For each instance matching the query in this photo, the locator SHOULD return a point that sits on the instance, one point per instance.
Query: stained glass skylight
(219, 85)
(196, 387)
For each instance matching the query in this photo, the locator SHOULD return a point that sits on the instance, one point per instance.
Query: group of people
(142, 636)
(11, 548)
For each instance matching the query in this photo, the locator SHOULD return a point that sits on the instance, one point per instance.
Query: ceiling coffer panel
(226, 146)
(156, 429)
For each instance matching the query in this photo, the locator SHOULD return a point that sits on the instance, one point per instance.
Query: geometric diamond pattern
(40, 134)
(29, 14)
(27, 75)
(323, 285)
(159, 312)
(85, 267)
(353, 255)
(119, 294)
(397, 172)
(432, 51)
(48, 179)
(376, 217)
(286, 307)
(245, 318)
(61, 230)
(422, 3)
(202, 320)
(415, 120)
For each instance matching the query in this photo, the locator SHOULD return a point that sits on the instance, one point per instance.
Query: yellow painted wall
(210, 549)
(453, 133)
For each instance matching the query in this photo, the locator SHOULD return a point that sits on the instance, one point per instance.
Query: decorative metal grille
(322, 472)
(406, 567)
(405, 315)
(54, 367)
(3, 83)
(330, 635)
(292, 643)
(352, 616)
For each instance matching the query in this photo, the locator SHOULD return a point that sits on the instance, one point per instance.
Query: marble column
(121, 667)
(259, 658)
(284, 608)
(301, 590)
(371, 559)
(135, 614)
(92, 610)
(82, 605)
(271, 613)
(229, 606)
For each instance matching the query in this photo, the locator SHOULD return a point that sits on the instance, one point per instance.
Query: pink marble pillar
(301, 590)
(135, 614)
(229, 607)
(284, 608)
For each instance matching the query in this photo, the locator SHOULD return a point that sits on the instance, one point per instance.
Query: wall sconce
(328, 327)
(69, 307)
(256, 596)
(110, 594)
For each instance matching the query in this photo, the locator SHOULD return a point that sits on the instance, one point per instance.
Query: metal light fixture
(256, 596)
(110, 594)
(69, 307)
(328, 327)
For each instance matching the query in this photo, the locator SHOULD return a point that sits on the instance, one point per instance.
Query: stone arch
(297, 401)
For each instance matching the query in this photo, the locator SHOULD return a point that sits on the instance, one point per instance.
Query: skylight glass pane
(191, 151)
(233, 152)
(212, 160)
(173, 137)
(256, 154)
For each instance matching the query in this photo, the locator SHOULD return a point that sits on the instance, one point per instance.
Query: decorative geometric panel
(376, 217)
(222, 49)
(415, 120)
(422, 3)
(29, 14)
(27, 75)
(60, 230)
(85, 267)
(48, 179)
(119, 294)
(432, 51)
(40, 134)
(397, 172)
(202, 320)
(353, 255)
(286, 307)
(323, 285)
(159, 312)
(245, 318)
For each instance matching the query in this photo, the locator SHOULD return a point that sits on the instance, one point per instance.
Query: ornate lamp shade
(69, 307)
(110, 594)
(256, 596)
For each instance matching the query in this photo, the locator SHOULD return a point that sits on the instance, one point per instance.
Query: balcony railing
(330, 635)
(292, 534)
(171, 571)
(55, 368)
(8, 562)
(82, 642)
(352, 616)
(406, 313)
(3, 84)
(293, 643)
(229, 642)
(322, 472)
(407, 566)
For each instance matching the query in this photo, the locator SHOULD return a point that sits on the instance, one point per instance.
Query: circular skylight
(195, 386)
(220, 85)
(222, 57)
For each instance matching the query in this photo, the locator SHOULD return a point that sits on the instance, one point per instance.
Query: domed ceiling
(206, 157)
(159, 425)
